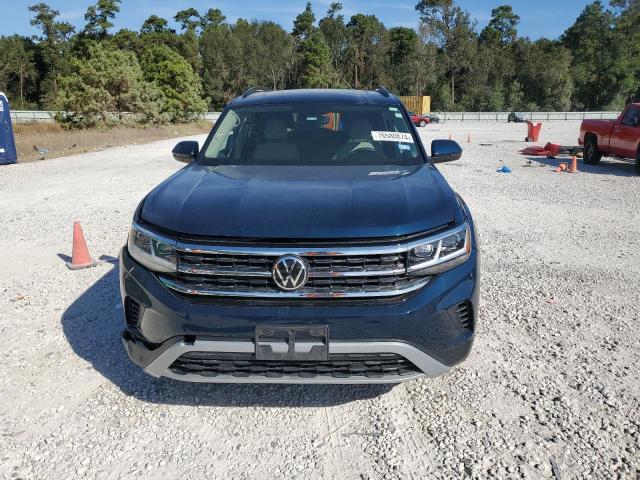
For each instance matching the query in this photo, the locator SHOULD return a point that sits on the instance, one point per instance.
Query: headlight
(152, 250)
(441, 252)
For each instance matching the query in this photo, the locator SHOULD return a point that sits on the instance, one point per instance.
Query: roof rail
(382, 91)
(253, 90)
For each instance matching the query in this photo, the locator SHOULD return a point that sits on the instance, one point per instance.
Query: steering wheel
(364, 147)
(364, 154)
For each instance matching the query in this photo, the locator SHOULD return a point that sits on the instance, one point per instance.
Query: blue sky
(539, 18)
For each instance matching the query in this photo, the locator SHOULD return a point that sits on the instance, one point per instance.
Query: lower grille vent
(339, 366)
(463, 312)
(132, 311)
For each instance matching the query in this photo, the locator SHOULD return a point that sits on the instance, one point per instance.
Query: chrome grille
(241, 286)
(212, 264)
(357, 263)
(320, 265)
(331, 274)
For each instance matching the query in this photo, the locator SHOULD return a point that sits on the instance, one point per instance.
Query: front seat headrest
(275, 129)
(361, 128)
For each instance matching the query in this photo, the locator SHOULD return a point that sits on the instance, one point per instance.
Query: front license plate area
(299, 343)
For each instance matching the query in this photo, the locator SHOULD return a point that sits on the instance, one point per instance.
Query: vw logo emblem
(290, 272)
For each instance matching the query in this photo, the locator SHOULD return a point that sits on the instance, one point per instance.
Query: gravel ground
(550, 390)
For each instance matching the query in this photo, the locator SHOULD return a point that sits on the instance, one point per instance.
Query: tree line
(159, 74)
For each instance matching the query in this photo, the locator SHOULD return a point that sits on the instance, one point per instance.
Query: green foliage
(107, 80)
(99, 16)
(155, 31)
(218, 51)
(335, 34)
(274, 54)
(303, 24)
(315, 67)
(403, 56)
(591, 41)
(188, 48)
(334, 8)
(54, 33)
(174, 77)
(244, 55)
(213, 18)
(53, 44)
(18, 72)
(189, 19)
(368, 51)
(627, 48)
(454, 32)
(155, 24)
(503, 27)
(127, 40)
(544, 73)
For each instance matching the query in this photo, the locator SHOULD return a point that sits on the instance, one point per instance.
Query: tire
(638, 163)
(422, 123)
(591, 154)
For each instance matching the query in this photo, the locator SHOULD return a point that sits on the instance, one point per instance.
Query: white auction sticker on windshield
(392, 137)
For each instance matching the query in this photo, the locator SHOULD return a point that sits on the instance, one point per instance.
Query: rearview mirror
(445, 151)
(186, 151)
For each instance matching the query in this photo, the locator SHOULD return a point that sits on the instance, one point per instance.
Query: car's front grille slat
(330, 274)
(262, 287)
(216, 264)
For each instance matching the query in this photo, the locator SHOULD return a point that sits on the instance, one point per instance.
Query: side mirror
(186, 152)
(445, 151)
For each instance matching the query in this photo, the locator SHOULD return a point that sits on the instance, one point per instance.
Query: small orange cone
(573, 167)
(80, 256)
(561, 168)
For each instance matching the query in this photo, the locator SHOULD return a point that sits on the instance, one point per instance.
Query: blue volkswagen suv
(310, 240)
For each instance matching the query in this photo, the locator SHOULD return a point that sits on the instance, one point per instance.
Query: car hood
(298, 202)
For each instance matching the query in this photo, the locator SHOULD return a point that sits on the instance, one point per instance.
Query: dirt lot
(551, 389)
(60, 142)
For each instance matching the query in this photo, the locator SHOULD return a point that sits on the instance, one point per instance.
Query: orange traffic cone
(80, 255)
(573, 167)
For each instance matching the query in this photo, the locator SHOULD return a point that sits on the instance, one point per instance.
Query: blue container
(7, 141)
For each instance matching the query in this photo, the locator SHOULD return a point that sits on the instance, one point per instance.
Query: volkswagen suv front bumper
(195, 338)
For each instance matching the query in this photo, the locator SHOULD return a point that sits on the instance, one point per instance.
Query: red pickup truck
(616, 138)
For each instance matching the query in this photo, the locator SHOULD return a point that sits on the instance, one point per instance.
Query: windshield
(312, 134)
